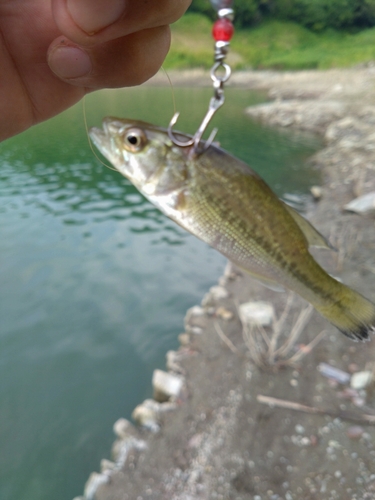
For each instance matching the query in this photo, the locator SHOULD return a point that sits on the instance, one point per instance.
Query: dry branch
(364, 419)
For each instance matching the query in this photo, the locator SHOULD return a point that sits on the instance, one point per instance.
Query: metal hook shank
(215, 103)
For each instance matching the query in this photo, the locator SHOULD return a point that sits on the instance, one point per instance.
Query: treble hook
(215, 103)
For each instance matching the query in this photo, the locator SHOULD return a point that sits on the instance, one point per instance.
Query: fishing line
(89, 138)
(172, 89)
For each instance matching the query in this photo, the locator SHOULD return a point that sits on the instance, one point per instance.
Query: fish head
(143, 153)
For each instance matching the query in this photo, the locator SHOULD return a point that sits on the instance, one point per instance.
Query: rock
(173, 361)
(123, 428)
(349, 133)
(166, 385)
(309, 115)
(146, 417)
(195, 311)
(184, 339)
(195, 330)
(147, 414)
(360, 380)
(218, 292)
(362, 205)
(215, 294)
(106, 465)
(121, 449)
(316, 192)
(223, 313)
(354, 432)
(229, 271)
(256, 313)
(94, 481)
(195, 318)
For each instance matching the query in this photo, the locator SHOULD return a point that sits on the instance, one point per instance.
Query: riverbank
(219, 440)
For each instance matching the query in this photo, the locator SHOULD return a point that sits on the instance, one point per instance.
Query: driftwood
(364, 419)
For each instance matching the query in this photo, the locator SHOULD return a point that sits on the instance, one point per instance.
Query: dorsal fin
(314, 238)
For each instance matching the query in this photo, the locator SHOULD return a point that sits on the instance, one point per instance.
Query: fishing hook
(215, 103)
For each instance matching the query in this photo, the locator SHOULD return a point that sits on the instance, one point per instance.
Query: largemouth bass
(219, 199)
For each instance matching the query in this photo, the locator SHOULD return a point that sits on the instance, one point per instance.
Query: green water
(95, 282)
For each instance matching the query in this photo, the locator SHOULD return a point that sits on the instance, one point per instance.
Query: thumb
(123, 62)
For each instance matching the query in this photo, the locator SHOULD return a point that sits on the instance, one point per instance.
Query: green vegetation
(320, 15)
(272, 44)
(317, 15)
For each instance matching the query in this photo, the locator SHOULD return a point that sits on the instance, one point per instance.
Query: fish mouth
(105, 143)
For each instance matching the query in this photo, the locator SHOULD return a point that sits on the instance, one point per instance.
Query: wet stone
(106, 465)
(166, 385)
(173, 359)
(184, 339)
(215, 294)
(123, 428)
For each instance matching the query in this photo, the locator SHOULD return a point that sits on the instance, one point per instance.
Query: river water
(95, 282)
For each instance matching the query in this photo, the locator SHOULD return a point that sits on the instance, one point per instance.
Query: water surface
(95, 281)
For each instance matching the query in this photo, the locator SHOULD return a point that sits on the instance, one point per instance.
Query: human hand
(53, 52)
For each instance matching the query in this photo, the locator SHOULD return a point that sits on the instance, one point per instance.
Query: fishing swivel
(220, 73)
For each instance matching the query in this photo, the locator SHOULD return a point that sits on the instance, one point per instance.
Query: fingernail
(93, 16)
(69, 62)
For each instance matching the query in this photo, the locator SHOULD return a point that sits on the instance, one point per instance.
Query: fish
(221, 200)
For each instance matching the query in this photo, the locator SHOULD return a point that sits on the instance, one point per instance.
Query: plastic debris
(362, 205)
(334, 373)
(360, 380)
(256, 313)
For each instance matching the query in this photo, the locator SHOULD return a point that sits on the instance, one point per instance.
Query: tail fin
(352, 314)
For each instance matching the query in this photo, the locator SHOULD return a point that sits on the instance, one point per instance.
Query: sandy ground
(220, 441)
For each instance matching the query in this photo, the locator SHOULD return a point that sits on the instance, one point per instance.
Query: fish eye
(134, 139)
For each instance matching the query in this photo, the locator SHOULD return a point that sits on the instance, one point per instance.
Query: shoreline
(215, 439)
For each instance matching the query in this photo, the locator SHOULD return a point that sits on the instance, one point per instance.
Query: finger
(123, 62)
(88, 22)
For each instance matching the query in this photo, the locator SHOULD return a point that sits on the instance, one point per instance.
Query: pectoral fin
(314, 238)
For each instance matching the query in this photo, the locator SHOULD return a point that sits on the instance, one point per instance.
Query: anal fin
(314, 238)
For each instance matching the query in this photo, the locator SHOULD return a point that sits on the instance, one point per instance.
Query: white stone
(195, 311)
(173, 361)
(218, 292)
(215, 293)
(363, 204)
(223, 313)
(123, 428)
(184, 339)
(166, 385)
(317, 192)
(195, 330)
(256, 313)
(146, 417)
(121, 449)
(94, 481)
(360, 380)
(106, 465)
(147, 413)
